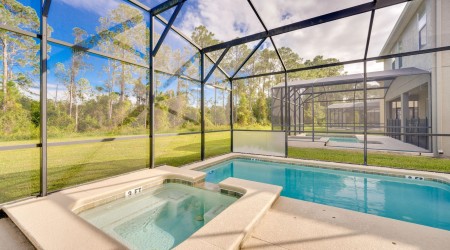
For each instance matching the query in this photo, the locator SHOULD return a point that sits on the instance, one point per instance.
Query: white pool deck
(258, 220)
(375, 143)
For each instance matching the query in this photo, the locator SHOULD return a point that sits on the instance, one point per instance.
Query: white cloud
(344, 39)
(101, 7)
(227, 20)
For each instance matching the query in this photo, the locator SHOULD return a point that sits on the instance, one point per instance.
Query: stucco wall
(438, 64)
(443, 75)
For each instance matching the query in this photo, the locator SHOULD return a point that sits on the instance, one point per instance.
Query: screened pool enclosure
(93, 89)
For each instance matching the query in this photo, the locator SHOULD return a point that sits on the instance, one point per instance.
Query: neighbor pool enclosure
(92, 89)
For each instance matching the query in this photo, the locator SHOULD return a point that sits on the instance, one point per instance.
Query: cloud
(227, 20)
(344, 39)
(100, 7)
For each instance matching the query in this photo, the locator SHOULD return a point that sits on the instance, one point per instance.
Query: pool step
(234, 224)
(176, 200)
(213, 212)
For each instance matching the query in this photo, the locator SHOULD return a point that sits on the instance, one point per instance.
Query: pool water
(344, 139)
(421, 202)
(158, 218)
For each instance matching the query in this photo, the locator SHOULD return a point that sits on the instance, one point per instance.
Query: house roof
(401, 24)
(346, 105)
(355, 78)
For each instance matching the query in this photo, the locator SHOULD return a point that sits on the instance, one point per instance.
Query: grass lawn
(75, 164)
(374, 159)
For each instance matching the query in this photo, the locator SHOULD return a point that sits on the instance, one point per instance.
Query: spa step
(213, 212)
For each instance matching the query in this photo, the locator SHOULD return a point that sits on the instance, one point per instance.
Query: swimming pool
(344, 139)
(417, 201)
(158, 218)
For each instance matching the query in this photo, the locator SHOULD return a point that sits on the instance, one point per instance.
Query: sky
(228, 19)
(344, 39)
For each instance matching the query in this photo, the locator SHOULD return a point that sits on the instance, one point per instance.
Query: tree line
(94, 96)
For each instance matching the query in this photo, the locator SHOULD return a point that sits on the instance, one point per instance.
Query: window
(396, 110)
(400, 50)
(393, 63)
(422, 27)
(413, 109)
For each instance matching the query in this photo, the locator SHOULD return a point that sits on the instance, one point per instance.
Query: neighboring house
(421, 100)
(417, 88)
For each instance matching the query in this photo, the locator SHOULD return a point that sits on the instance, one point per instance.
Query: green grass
(375, 159)
(75, 164)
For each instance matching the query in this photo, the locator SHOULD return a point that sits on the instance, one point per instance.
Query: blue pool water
(158, 218)
(344, 139)
(422, 202)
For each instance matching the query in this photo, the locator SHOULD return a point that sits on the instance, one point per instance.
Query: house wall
(443, 75)
(438, 64)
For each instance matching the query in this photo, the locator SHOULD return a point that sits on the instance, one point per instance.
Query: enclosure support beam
(165, 6)
(46, 8)
(365, 76)
(189, 40)
(354, 110)
(152, 94)
(377, 58)
(295, 112)
(43, 99)
(167, 28)
(216, 64)
(282, 121)
(312, 113)
(348, 12)
(202, 105)
(267, 32)
(140, 5)
(365, 112)
(232, 115)
(326, 103)
(248, 57)
(287, 122)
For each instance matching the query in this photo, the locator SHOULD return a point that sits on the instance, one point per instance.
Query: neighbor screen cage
(92, 90)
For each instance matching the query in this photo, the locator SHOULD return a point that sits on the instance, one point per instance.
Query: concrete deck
(260, 219)
(11, 237)
(52, 222)
(375, 143)
(295, 224)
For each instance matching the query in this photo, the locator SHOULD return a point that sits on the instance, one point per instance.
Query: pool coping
(386, 171)
(51, 222)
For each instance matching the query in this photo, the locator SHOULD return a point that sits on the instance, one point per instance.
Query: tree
(122, 34)
(82, 93)
(203, 37)
(77, 65)
(17, 49)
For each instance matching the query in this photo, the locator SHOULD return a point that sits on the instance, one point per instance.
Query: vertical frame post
(295, 111)
(312, 113)
(365, 112)
(372, 16)
(202, 104)
(152, 93)
(287, 125)
(231, 115)
(43, 100)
